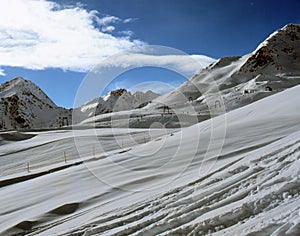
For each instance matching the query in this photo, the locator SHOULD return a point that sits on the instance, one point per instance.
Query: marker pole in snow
(65, 156)
(28, 168)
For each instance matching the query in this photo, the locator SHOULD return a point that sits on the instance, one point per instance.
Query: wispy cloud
(187, 65)
(129, 20)
(2, 73)
(127, 33)
(104, 21)
(108, 29)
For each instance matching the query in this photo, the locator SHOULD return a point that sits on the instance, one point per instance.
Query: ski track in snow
(253, 189)
(230, 201)
(159, 181)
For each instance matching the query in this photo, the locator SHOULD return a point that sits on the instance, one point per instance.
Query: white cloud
(107, 20)
(187, 65)
(108, 29)
(127, 33)
(38, 34)
(129, 20)
(2, 73)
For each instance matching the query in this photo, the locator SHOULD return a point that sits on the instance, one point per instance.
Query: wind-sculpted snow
(140, 182)
(253, 194)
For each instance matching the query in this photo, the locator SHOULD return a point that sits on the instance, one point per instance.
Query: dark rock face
(261, 58)
(23, 105)
(118, 92)
(277, 52)
(11, 111)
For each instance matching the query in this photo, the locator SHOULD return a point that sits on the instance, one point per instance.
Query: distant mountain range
(271, 68)
(23, 105)
(114, 101)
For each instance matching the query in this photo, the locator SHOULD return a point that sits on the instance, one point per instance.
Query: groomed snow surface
(235, 174)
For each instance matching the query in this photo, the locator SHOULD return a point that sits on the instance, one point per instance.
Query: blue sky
(56, 43)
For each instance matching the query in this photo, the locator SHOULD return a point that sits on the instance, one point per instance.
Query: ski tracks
(226, 202)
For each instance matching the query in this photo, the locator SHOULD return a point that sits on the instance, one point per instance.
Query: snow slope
(232, 82)
(227, 84)
(175, 183)
(23, 105)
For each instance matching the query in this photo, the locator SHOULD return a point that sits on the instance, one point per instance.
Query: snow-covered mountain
(228, 83)
(271, 68)
(23, 105)
(114, 101)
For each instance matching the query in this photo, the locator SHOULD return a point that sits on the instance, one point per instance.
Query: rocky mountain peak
(118, 92)
(24, 105)
(280, 51)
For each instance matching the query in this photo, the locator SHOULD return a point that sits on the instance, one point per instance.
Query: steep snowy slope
(23, 105)
(178, 184)
(236, 81)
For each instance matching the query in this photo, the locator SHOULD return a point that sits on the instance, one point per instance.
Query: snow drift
(251, 186)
